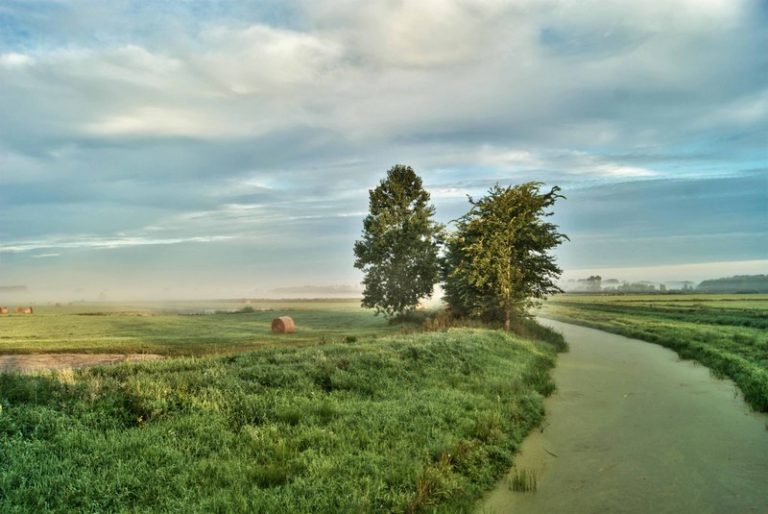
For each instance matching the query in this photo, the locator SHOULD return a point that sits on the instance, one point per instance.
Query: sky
(218, 148)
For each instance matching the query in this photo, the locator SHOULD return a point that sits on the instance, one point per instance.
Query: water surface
(634, 429)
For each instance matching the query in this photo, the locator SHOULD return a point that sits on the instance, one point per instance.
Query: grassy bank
(184, 328)
(726, 333)
(401, 424)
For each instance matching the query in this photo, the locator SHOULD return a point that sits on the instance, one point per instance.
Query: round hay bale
(283, 325)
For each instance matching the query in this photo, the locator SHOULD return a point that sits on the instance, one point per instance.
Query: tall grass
(523, 480)
(410, 423)
(524, 327)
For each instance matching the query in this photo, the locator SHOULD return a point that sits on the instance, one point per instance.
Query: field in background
(727, 333)
(184, 328)
(403, 423)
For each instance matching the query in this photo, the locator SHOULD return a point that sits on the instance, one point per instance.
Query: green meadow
(726, 333)
(350, 414)
(185, 328)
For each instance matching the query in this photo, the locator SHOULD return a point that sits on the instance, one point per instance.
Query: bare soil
(32, 363)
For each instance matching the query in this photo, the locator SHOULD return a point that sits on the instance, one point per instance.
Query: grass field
(727, 333)
(184, 328)
(347, 415)
(403, 423)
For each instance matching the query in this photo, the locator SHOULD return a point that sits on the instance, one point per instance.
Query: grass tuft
(523, 481)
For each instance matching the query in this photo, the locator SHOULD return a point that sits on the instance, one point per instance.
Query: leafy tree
(465, 297)
(398, 252)
(497, 263)
(593, 283)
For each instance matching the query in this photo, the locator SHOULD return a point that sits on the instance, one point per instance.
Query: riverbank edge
(751, 380)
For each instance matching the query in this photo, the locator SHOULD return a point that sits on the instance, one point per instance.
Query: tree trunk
(507, 319)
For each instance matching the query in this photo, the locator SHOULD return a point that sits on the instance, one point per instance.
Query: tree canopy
(497, 262)
(398, 251)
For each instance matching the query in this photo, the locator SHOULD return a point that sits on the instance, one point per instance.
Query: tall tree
(398, 252)
(497, 262)
(465, 298)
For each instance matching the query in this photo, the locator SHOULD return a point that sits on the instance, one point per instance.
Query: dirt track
(31, 363)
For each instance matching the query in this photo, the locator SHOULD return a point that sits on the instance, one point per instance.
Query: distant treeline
(596, 284)
(737, 284)
(13, 289)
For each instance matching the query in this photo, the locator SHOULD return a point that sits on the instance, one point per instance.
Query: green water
(634, 429)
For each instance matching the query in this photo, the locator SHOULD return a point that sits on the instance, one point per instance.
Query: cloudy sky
(226, 148)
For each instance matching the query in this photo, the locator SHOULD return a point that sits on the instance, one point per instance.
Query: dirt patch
(31, 363)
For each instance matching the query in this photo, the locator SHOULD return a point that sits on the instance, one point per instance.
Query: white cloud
(418, 34)
(448, 192)
(581, 162)
(14, 59)
(375, 71)
(102, 243)
(506, 158)
(562, 161)
(740, 112)
(262, 60)
(157, 121)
